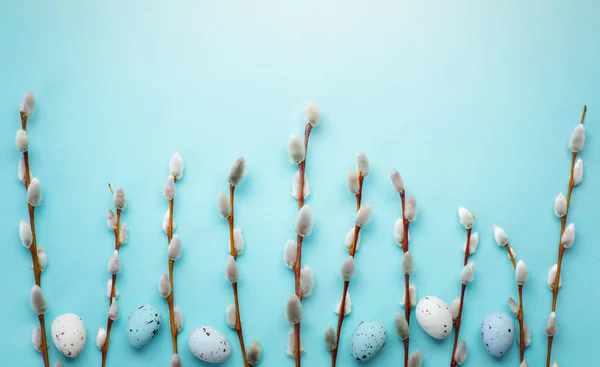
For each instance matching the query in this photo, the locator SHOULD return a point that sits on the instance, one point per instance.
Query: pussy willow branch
(342, 314)
(297, 267)
(520, 316)
(561, 249)
(33, 248)
(458, 320)
(407, 304)
(174, 330)
(238, 319)
(113, 287)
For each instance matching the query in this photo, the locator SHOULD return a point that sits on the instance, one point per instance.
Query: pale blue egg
(498, 333)
(143, 325)
(368, 340)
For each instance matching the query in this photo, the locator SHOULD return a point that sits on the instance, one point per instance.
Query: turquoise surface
(472, 101)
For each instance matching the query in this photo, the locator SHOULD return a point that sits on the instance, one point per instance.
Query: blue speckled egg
(143, 325)
(368, 340)
(498, 333)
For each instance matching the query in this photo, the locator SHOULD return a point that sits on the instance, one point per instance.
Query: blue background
(473, 102)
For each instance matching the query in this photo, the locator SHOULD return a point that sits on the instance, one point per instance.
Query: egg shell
(143, 325)
(368, 340)
(434, 317)
(209, 344)
(497, 333)
(68, 334)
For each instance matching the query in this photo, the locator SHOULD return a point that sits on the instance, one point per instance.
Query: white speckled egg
(368, 340)
(68, 334)
(497, 333)
(434, 317)
(209, 344)
(143, 325)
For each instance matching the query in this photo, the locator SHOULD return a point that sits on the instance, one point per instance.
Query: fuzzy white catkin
(175, 361)
(109, 289)
(176, 165)
(114, 265)
(27, 106)
(416, 359)
(57, 364)
(399, 231)
(407, 263)
(169, 189)
(178, 318)
(164, 287)
(34, 192)
(25, 234)
(36, 338)
(123, 233)
(397, 181)
(290, 252)
(304, 221)
(524, 364)
(577, 139)
(362, 164)
(307, 281)
(119, 199)
(42, 258)
(551, 324)
(330, 342)
(347, 271)
(21, 170)
(231, 270)
(231, 316)
(412, 294)
(293, 310)
(363, 215)
(21, 141)
(473, 243)
(578, 172)
(224, 206)
(349, 240)
(113, 311)
(313, 114)
(237, 172)
(347, 305)
(296, 149)
(174, 248)
(461, 352)
(410, 209)
(511, 252)
(254, 353)
(521, 273)
(514, 307)
(526, 335)
(100, 338)
(111, 220)
(291, 344)
(560, 205)
(465, 217)
(568, 236)
(296, 185)
(500, 236)
(352, 182)
(455, 308)
(166, 219)
(555, 364)
(466, 274)
(402, 328)
(238, 240)
(37, 300)
(552, 277)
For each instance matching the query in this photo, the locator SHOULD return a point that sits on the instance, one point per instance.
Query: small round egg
(209, 345)
(143, 325)
(497, 333)
(68, 334)
(368, 340)
(434, 317)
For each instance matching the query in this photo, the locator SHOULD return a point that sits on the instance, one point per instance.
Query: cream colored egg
(68, 334)
(434, 317)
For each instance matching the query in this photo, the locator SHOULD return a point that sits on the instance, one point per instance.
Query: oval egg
(68, 334)
(143, 325)
(434, 317)
(368, 340)
(209, 345)
(497, 333)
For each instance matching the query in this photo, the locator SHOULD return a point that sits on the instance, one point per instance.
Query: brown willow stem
(230, 220)
(297, 267)
(407, 304)
(458, 320)
(37, 272)
(171, 263)
(561, 249)
(342, 314)
(112, 290)
(520, 318)
(511, 256)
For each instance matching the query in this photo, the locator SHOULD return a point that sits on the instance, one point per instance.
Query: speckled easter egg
(68, 334)
(368, 340)
(209, 344)
(142, 326)
(497, 333)
(434, 317)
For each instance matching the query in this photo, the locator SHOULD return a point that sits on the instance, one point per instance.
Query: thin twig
(113, 287)
(561, 249)
(407, 305)
(458, 320)
(520, 317)
(171, 296)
